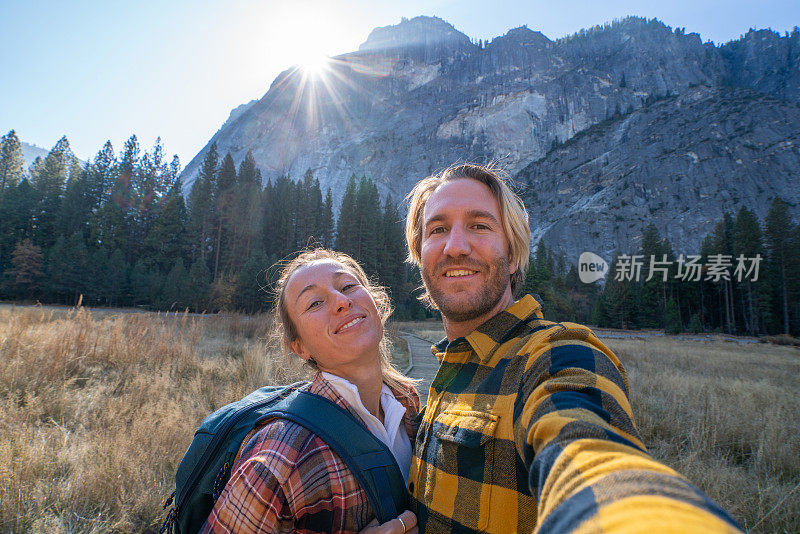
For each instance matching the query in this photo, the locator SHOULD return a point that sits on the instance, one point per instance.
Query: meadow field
(98, 407)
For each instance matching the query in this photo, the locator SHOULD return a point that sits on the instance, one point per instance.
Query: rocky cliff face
(678, 163)
(419, 96)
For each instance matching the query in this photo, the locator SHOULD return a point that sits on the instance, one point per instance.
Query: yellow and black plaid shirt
(528, 426)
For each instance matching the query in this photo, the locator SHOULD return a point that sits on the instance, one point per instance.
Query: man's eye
(437, 230)
(481, 226)
(349, 286)
(314, 304)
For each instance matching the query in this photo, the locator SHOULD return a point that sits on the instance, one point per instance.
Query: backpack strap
(370, 460)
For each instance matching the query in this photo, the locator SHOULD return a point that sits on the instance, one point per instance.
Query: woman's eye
(481, 226)
(437, 230)
(348, 286)
(314, 304)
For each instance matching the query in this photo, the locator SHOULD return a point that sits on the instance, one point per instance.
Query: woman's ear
(298, 348)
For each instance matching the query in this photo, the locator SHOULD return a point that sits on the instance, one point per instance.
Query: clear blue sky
(107, 69)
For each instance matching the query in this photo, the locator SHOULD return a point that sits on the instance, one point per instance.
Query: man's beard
(463, 309)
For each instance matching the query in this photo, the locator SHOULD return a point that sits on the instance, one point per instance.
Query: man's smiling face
(465, 253)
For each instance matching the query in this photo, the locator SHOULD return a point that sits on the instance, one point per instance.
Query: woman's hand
(405, 523)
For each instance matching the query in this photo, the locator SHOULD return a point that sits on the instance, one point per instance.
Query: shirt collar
(485, 339)
(393, 409)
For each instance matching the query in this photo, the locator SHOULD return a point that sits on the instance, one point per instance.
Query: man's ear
(299, 348)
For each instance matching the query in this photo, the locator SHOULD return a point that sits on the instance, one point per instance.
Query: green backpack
(206, 467)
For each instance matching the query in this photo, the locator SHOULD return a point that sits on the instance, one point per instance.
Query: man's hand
(405, 523)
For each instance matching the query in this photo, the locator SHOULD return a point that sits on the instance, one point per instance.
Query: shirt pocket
(465, 428)
(464, 452)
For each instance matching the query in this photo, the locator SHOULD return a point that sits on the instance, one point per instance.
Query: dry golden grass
(725, 415)
(96, 412)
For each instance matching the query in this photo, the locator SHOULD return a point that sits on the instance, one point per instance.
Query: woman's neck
(369, 381)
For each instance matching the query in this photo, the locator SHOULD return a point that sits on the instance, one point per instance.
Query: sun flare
(314, 64)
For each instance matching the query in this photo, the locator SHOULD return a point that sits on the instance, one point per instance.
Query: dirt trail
(423, 364)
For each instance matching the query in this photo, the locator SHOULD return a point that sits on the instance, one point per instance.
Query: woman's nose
(342, 302)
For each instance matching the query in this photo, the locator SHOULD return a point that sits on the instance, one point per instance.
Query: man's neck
(454, 330)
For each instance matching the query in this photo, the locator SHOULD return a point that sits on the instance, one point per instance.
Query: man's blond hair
(513, 216)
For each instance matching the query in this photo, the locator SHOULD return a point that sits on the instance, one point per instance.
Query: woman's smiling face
(335, 317)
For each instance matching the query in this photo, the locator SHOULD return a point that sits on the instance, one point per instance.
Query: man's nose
(457, 243)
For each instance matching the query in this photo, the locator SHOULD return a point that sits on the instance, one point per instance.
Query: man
(528, 423)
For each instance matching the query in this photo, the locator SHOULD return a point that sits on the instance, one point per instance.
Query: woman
(288, 479)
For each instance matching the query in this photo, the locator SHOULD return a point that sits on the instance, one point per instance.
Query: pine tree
(280, 218)
(174, 174)
(248, 172)
(779, 228)
(140, 283)
(117, 278)
(76, 204)
(11, 161)
(695, 324)
(73, 276)
(245, 222)
(391, 268)
(199, 281)
(348, 222)
(223, 195)
(793, 288)
(123, 194)
(599, 315)
(620, 299)
(251, 294)
(166, 240)
(127, 179)
(672, 318)
(369, 221)
(305, 219)
(543, 265)
(315, 207)
(17, 210)
(530, 284)
(201, 205)
(327, 225)
(107, 226)
(721, 243)
(48, 181)
(102, 177)
(653, 291)
(26, 274)
(98, 276)
(748, 242)
(176, 293)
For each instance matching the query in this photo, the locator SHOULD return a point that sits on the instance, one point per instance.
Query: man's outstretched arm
(588, 467)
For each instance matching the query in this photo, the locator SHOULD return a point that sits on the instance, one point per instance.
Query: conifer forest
(117, 231)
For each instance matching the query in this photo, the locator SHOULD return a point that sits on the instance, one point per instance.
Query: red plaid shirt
(288, 480)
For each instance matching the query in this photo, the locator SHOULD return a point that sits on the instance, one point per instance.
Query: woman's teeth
(351, 323)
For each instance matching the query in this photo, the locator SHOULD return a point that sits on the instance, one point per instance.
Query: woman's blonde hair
(513, 215)
(285, 331)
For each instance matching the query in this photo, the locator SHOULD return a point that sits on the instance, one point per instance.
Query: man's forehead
(463, 196)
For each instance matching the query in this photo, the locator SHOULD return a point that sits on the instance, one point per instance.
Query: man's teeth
(351, 323)
(462, 272)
